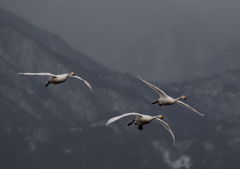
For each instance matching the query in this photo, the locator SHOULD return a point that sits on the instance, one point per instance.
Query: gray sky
(93, 26)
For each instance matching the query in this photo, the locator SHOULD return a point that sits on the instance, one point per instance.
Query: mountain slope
(49, 40)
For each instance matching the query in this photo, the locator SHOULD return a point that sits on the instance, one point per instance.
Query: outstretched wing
(167, 127)
(189, 107)
(88, 85)
(41, 74)
(160, 92)
(119, 117)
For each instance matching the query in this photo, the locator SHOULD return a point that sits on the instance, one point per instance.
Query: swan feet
(47, 84)
(131, 122)
(140, 127)
(156, 101)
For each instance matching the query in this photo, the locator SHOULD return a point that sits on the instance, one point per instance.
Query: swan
(142, 120)
(56, 79)
(167, 100)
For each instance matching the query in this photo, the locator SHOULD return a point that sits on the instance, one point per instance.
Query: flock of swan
(140, 119)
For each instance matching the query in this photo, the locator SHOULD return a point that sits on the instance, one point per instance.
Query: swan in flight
(56, 79)
(142, 120)
(167, 100)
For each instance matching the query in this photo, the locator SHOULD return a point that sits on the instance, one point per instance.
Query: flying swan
(56, 79)
(142, 120)
(167, 100)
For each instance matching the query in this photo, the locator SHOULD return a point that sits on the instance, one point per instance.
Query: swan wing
(41, 74)
(119, 117)
(160, 92)
(189, 107)
(167, 127)
(88, 85)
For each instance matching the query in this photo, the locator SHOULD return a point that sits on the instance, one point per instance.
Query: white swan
(143, 119)
(167, 100)
(56, 79)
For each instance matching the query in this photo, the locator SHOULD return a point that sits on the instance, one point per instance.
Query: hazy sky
(93, 26)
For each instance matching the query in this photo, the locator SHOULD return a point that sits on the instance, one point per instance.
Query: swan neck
(179, 98)
(155, 117)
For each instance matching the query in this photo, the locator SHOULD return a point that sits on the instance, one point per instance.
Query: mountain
(49, 40)
(63, 126)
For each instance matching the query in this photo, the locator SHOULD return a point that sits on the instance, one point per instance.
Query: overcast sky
(93, 26)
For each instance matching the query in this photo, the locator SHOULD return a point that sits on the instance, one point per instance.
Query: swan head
(160, 116)
(72, 74)
(184, 97)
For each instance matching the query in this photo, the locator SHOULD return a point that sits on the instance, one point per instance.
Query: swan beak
(184, 97)
(72, 73)
(160, 116)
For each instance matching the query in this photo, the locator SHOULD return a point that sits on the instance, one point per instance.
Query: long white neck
(70, 74)
(179, 98)
(154, 117)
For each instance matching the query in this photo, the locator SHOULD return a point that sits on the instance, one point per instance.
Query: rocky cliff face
(63, 126)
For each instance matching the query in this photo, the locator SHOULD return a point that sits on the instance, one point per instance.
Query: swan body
(168, 100)
(56, 79)
(142, 120)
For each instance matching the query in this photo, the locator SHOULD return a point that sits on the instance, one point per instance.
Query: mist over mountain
(167, 41)
(227, 59)
(176, 54)
(63, 126)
